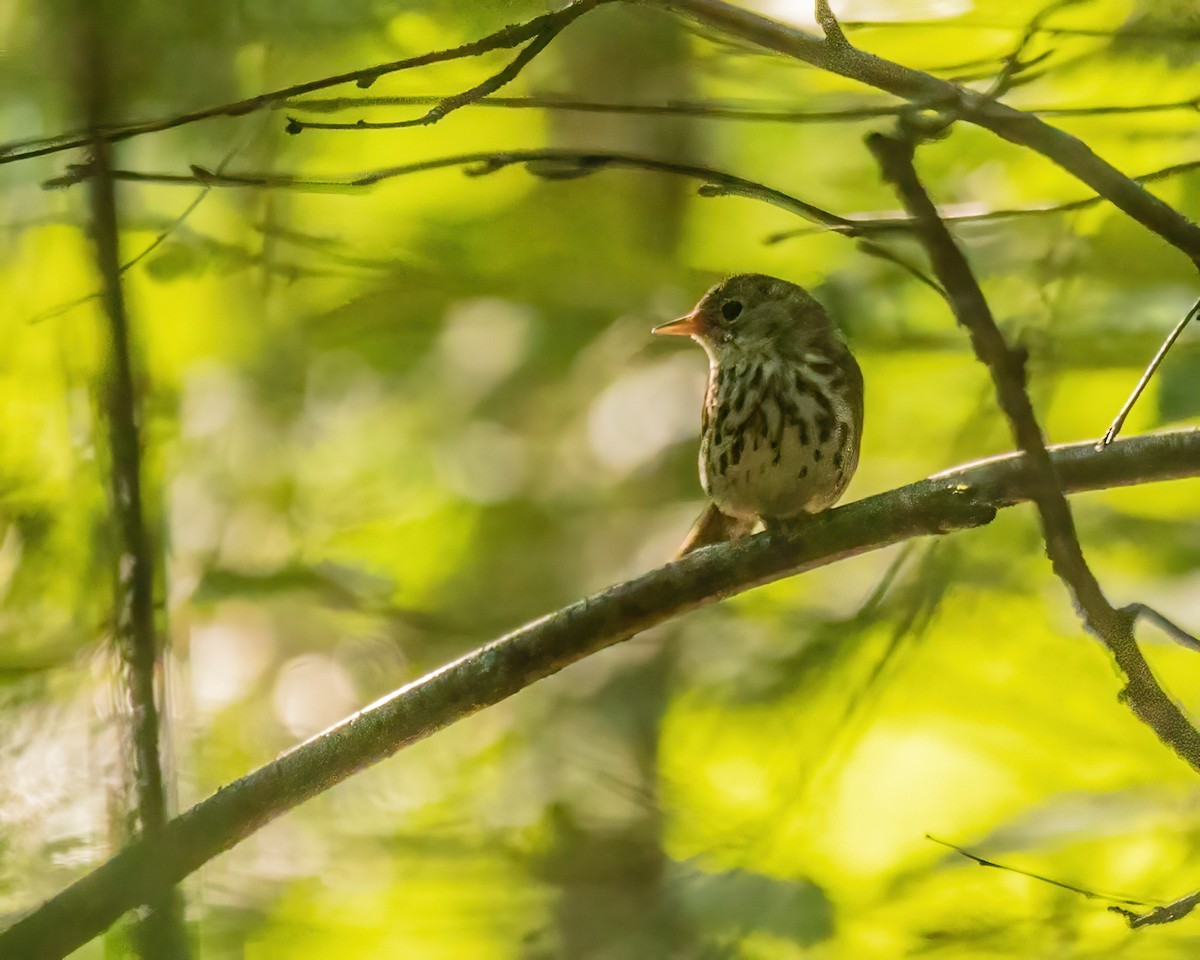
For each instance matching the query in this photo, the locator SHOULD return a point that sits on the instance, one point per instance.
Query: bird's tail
(713, 526)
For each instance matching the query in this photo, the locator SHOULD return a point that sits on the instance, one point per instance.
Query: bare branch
(829, 24)
(958, 499)
(748, 111)
(1119, 421)
(873, 249)
(161, 931)
(1070, 153)
(549, 164)
(1113, 627)
(697, 109)
(163, 235)
(1082, 891)
(566, 164)
(1167, 913)
(1014, 63)
(921, 89)
(1173, 33)
(1172, 630)
(493, 83)
(875, 223)
(511, 36)
(1191, 104)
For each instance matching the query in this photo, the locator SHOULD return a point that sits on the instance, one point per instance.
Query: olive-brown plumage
(783, 413)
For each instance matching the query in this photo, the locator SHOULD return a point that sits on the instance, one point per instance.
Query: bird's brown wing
(713, 526)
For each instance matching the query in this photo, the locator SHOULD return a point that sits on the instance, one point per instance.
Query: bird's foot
(783, 528)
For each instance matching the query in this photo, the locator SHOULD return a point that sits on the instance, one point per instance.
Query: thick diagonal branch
(1113, 627)
(958, 499)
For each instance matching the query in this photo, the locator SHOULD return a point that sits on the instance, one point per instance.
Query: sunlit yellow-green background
(383, 426)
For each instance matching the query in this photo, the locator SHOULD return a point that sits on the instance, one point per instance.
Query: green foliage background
(382, 426)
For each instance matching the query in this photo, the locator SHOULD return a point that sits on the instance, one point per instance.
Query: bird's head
(751, 314)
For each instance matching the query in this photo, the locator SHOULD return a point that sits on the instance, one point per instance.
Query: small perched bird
(783, 413)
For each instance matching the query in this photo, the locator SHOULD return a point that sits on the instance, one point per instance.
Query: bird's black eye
(730, 309)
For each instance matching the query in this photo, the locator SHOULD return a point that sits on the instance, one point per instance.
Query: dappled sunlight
(899, 785)
(312, 692)
(226, 657)
(381, 425)
(645, 411)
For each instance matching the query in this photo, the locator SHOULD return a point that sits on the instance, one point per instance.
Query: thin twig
(854, 225)
(829, 24)
(493, 83)
(958, 499)
(161, 238)
(507, 37)
(566, 164)
(912, 85)
(1176, 34)
(548, 164)
(731, 21)
(748, 111)
(697, 109)
(1167, 913)
(874, 223)
(126, 266)
(1072, 154)
(873, 248)
(1013, 62)
(1082, 891)
(1172, 630)
(1113, 627)
(1119, 421)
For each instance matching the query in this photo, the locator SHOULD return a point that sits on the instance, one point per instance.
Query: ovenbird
(783, 413)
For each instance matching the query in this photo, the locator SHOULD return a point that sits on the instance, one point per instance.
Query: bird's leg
(713, 526)
(783, 527)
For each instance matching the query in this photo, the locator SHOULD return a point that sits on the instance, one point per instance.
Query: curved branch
(747, 111)
(927, 91)
(548, 164)
(541, 40)
(1114, 628)
(160, 933)
(676, 108)
(873, 223)
(921, 89)
(965, 497)
(507, 37)
(1119, 420)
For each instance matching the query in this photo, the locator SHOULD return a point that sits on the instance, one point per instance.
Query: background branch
(1167, 913)
(957, 499)
(873, 223)
(552, 163)
(744, 111)
(507, 37)
(1119, 421)
(549, 164)
(161, 932)
(542, 39)
(1113, 627)
(1070, 153)
(921, 89)
(1082, 891)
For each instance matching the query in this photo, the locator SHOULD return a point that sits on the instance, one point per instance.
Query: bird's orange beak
(686, 326)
